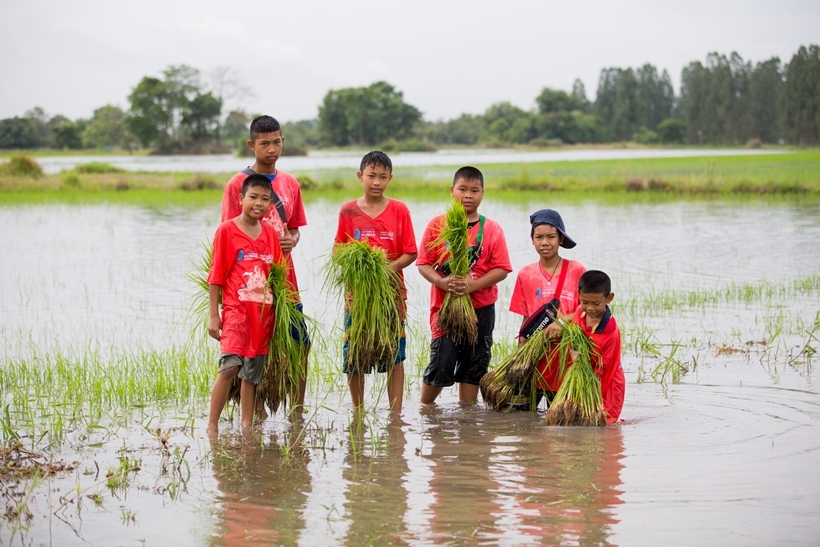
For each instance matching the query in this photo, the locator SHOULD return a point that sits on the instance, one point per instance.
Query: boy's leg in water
(219, 397)
(395, 387)
(247, 398)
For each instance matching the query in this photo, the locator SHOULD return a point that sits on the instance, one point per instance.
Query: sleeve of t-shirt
(408, 236)
(518, 303)
(220, 264)
(344, 230)
(427, 255)
(297, 218)
(230, 200)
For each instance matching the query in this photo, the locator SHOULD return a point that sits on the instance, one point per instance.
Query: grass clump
(578, 401)
(21, 166)
(371, 288)
(97, 167)
(457, 316)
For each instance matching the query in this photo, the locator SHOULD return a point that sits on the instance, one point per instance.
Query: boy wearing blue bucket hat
(547, 287)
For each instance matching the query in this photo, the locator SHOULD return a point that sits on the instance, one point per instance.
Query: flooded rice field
(719, 304)
(349, 159)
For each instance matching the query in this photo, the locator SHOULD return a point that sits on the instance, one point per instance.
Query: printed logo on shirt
(367, 232)
(254, 255)
(387, 235)
(254, 289)
(538, 292)
(275, 221)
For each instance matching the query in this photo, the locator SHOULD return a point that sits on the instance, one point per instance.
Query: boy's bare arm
(431, 275)
(493, 277)
(214, 321)
(295, 234)
(403, 261)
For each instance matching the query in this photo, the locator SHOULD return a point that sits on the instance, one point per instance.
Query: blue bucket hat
(551, 217)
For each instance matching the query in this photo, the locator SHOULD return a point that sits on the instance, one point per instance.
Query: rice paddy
(101, 377)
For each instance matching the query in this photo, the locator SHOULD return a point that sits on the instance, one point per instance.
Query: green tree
(106, 128)
(555, 100)
(366, 115)
(20, 133)
(656, 96)
(800, 97)
(150, 118)
(672, 131)
(617, 103)
(68, 135)
(505, 122)
(201, 117)
(764, 89)
(236, 127)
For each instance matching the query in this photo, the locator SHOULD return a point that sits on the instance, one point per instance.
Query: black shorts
(465, 362)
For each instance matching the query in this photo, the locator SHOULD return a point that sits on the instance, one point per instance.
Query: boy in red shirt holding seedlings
(385, 223)
(286, 216)
(463, 363)
(594, 316)
(244, 248)
(550, 282)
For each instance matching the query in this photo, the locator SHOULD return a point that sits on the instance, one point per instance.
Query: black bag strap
(544, 315)
(280, 207)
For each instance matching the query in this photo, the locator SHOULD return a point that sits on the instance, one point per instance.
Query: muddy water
(728, 456)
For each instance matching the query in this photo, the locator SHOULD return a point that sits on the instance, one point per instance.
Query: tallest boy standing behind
(287, 212)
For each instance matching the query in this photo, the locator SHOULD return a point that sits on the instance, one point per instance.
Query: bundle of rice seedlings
(526, 358)
(511, 381)
(198, 306)
(285, 367)
(364, 277)
(578, 401)
(457, 316)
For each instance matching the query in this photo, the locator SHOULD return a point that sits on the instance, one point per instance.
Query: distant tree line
(725, 100)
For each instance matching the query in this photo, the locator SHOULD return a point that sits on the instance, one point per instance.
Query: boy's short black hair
(376, 158)
(256, 181)
(595, 282)
(468, 172)
(264, 124)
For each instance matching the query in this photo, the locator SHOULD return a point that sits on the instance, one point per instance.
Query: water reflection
(261, 492)
(510, 480)
(375, 472)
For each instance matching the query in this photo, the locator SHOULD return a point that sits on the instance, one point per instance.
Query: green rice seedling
(578, 400)
(285, 368)
(670, 366)
(512, 380)
(199, 304)
(457, 315)
(370, 287)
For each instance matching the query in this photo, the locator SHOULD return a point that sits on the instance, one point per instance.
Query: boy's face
(594, 304)
(267, 147)
(469, 193)
(546, 239)
(375, 179)
(255, 202)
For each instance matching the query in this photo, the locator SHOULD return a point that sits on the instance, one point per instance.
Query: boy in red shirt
(385, 223)
(463, 363)
(286, 216)
(552, 281)
(244, 248)
(594, 316)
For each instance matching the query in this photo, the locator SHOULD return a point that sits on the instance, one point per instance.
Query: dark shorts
(299, 331)
(465, 362)
(250, 368)
(401, 355)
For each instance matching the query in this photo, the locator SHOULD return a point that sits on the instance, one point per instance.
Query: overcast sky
(70, 57)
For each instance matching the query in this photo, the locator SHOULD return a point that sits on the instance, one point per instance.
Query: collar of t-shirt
(471, 224)
(604, 320)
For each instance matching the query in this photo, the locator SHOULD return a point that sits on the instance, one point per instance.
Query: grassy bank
(789, 173)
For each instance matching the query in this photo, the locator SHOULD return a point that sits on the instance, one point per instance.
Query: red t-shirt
(494, 255)
(289, 192)
(392, 230)
(241, 266)
(534, 288)
(606, 361)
